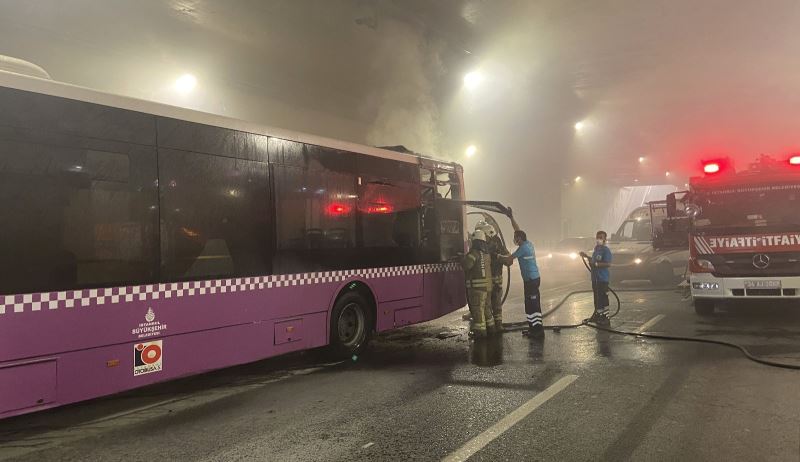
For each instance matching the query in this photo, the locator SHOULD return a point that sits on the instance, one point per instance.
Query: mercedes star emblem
(761, 261)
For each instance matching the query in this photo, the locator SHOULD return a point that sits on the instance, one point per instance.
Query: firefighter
(477, 270)
(496, 250)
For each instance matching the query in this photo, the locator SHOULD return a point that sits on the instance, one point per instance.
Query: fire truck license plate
(762, 284)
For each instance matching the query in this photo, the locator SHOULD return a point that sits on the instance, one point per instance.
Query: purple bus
(141, 242)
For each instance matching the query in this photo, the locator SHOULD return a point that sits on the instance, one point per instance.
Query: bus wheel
(350, 325)
(704, 307)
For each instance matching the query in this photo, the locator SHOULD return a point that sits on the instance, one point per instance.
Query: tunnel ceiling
(670, 81)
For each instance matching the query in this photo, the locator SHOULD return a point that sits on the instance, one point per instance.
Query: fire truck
(743, 229)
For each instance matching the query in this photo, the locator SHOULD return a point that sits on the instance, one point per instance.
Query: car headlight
(637, 261)
(573, 256)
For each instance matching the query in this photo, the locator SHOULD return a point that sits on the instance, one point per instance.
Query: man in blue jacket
(601, 262)
(526, 255)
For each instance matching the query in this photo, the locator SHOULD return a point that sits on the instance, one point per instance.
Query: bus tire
(704, 307)
(351, 325)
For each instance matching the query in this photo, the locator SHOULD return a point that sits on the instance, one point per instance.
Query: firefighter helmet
(486, 228)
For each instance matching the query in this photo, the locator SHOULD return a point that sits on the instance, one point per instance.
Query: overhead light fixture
(641, 160)
(471, 150)
(666, 174)
(578, 179)
(472, 79)
(580, 126)
(185, 83)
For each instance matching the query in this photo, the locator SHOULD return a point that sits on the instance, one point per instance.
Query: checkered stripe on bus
(95, 297)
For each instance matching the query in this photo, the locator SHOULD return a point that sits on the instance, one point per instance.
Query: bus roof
(74, 92)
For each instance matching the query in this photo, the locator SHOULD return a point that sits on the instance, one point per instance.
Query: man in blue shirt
(531, 280)
(601, 262)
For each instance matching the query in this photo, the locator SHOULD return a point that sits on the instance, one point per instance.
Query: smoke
(401, 102)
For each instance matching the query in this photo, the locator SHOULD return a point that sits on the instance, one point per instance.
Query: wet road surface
(427, 392)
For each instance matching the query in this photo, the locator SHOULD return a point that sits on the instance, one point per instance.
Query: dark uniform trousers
(533, 303)
(600, 289)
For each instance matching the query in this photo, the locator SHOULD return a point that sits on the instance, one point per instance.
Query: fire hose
(587, 322)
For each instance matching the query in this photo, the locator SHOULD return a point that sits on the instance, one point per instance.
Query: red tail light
(338, 209)
(711, 167)
(794, 160)
(380, 208)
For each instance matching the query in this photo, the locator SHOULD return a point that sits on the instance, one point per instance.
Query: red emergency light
(711, 167)
(794, 160)
(718, 165)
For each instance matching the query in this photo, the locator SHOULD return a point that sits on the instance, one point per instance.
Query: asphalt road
(427, 392)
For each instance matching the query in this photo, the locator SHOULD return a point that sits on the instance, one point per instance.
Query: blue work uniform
(531, 281)
(526, 256)
(600, 279)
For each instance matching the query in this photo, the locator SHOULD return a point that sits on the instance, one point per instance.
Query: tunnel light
(641, 160)
(794, 160)
(185, 83)
(711, 167)
(471, 150)
(573, 256)
(666, 174)
(578, 179)
(579, 126)
(637, 261)
(472, 80)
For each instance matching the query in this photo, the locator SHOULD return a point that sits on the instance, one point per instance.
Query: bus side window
(215, 216)
(448, 186)
(76, 212)
(316, 208)
(390, 213)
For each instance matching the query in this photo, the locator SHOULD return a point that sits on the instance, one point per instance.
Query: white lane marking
(650, 323)
(367, 446)
(479, 442)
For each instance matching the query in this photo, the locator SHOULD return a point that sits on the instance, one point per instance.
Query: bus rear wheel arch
(352, 320)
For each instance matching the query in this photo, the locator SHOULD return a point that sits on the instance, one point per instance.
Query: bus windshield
(773, 206)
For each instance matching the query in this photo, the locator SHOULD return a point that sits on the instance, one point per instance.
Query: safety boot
(536, 332)
(479, 333)
(498, 326)
(601, 319)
